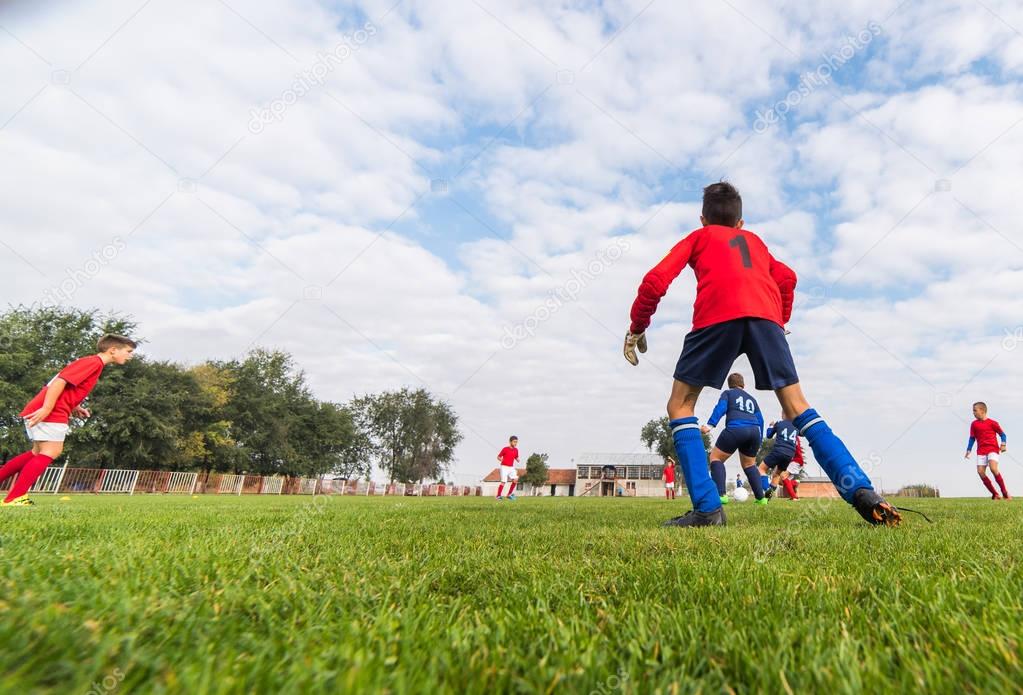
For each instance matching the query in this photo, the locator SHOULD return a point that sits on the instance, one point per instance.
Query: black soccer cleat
(695, 518)
(874, 509)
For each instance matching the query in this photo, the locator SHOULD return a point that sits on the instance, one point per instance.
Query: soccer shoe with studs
(874, 509)
(724, 499)
(694, 518)
(22, 501)
(762, 501)
(511, 498)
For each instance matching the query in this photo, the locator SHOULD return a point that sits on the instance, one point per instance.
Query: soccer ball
(740, 494)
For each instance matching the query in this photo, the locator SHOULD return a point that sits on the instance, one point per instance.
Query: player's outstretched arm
(719, 412)
(653, 288)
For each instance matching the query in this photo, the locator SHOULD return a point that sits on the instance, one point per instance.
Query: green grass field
(288, 594)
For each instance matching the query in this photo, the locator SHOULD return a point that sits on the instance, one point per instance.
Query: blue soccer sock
(753, 475)
(717, 472)
(692, 458)
(832, 455)
(765, 482)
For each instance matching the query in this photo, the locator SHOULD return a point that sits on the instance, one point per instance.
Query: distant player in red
(508, 457)
(743, 301)
(47, 416)
(986, 433)
(668, 476)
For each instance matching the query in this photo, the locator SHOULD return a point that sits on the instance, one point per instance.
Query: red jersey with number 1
(736, 277)
(509, 455)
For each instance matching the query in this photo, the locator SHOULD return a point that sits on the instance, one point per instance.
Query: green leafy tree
(271, 412)
(537, 471)
(412, 436)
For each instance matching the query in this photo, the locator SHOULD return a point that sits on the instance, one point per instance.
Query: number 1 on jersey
(740, 242)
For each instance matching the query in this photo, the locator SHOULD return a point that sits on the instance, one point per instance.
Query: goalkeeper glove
(634, 341)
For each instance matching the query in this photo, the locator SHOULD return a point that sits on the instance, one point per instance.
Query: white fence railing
(66, 480)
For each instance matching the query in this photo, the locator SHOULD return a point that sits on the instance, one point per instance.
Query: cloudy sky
(465, 195)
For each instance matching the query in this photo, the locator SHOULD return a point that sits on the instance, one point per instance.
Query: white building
(626, 475)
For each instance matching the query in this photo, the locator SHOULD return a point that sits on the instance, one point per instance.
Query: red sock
(1001, 484)
(500, 489)
(14, 465)
(30, 472)
(790, 487)
(667, 493)
(987, 483)
(511, 490)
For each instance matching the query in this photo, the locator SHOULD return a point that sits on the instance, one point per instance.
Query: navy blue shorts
(778, 460)
(744, 439)
(709, 353)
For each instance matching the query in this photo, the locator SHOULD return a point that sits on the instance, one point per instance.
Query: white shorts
(508, 473)
(47, 431)
(987, 458)
(794, 468)
(670, 486)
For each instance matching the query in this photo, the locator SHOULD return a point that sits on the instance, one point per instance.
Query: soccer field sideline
(467, 595)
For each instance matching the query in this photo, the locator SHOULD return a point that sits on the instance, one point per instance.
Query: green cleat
(724, 499)
(762, 501)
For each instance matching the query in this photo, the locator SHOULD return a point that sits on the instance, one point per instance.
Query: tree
(536, 470)
(412, 436)
(271, 411)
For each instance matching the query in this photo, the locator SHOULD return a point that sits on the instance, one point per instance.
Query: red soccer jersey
(509, 455)
(986, 433)
(669, 474)
(736, 277)
(81, 375)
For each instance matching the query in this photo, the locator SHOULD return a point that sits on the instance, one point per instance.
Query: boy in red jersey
(48, 414)
(668, 476)
(743, 301)
(508, 457)
(986, 432)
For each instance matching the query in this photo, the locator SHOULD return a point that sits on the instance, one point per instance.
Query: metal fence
(66, 480)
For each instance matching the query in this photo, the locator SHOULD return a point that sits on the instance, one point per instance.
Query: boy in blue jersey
(779, 460)
(744, 430)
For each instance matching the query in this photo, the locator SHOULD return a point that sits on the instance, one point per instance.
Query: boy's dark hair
(111, 340)
(512, 438)
(735, 381)
(722, 204)
(982, 404)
